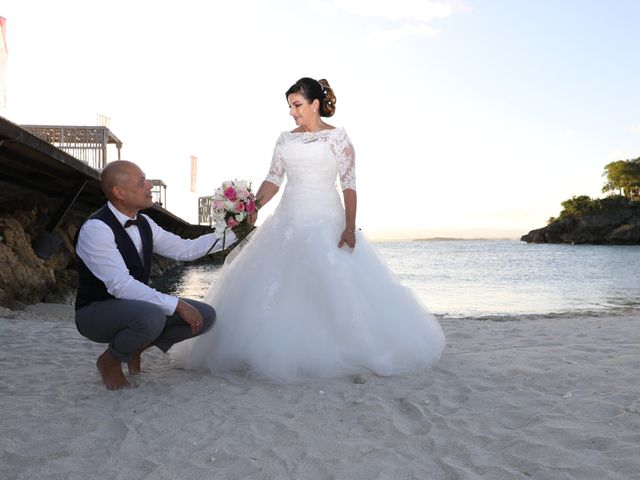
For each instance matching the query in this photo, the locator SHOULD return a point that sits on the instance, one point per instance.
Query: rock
(556, 232)
(627, 234)
(23, 276)
(359, 379)
(609, 226)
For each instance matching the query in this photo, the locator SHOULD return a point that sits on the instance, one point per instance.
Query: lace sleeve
(276, 171)
(346, 158)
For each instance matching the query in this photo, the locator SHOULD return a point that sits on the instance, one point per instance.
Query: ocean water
(491, 279)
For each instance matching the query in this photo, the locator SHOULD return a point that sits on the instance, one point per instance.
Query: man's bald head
(126, 187)
(116, 173)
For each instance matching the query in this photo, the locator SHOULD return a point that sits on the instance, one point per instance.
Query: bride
(308, 296)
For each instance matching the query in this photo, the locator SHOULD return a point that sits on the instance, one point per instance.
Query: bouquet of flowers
(232, 204)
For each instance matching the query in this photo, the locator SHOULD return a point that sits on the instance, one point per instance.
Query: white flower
(241, 184)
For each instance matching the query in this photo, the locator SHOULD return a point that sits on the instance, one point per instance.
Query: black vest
(92, 289)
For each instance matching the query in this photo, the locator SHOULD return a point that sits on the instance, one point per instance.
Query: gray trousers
(130, 325)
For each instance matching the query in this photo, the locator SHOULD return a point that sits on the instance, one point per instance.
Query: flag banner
(194, 172)
(4, 52)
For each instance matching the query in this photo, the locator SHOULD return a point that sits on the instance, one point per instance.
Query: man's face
(134, 190)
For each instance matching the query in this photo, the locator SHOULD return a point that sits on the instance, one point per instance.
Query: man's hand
(190, 315)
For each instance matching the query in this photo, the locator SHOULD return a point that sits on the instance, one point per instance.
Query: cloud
(402, 32)
(398, 19)
(417, 11)
(635, 129)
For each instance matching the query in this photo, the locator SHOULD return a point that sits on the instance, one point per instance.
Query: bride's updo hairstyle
(311, 90)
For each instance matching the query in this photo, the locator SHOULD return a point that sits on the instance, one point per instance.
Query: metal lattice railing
(87, 144)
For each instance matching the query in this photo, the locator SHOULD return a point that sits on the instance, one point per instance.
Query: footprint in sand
(411, 419)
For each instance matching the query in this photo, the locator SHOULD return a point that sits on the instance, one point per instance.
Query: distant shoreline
(441, 234)
(441, 239)
(455, 239)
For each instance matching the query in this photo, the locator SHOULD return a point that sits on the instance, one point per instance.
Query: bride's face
(301, 110)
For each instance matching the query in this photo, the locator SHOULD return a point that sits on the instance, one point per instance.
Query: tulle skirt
(291, 305)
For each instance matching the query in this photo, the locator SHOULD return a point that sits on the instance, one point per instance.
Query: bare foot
(134, 363)
(111, 371)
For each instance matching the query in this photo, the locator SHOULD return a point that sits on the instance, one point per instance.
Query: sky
(470, 118)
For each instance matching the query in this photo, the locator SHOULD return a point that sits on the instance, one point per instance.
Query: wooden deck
(29, 164)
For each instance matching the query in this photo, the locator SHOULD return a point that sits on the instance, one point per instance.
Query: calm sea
(492, 278)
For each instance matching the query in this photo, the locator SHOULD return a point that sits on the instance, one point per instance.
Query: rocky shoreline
(614, 226)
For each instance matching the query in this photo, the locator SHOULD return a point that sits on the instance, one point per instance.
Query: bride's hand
(252, 218)
(348, 237)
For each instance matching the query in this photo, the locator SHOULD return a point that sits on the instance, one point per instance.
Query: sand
(554, 398)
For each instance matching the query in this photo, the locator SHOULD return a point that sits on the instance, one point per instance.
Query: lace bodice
(313, 159)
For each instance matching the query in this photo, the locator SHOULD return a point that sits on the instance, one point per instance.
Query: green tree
(578, 206)
(623, 176)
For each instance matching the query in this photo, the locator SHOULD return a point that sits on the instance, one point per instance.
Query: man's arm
(173, 246)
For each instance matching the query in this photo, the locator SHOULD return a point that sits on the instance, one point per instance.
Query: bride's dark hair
(315, 89)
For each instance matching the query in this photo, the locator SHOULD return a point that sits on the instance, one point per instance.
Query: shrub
(578, 206)
(584, 205)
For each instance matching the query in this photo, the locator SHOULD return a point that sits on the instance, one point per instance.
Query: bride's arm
(346, 157)
(271, 184)
(266, 192)
(350, 206)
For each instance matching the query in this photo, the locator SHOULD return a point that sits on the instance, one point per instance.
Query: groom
(114, 303)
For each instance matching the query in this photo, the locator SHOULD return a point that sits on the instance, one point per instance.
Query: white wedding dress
(292, 304)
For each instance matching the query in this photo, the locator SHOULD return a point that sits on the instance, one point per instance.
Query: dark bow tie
(137, 221)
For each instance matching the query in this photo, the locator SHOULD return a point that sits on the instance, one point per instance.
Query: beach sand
(554, 398)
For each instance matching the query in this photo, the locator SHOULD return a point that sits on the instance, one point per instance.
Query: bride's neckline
(330, 129)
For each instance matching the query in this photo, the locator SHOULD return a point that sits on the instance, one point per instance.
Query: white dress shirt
(97, 249)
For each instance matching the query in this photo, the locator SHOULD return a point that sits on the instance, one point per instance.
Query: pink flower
(231, 222)
(240, 206)
(230, 193)
(251, 206)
